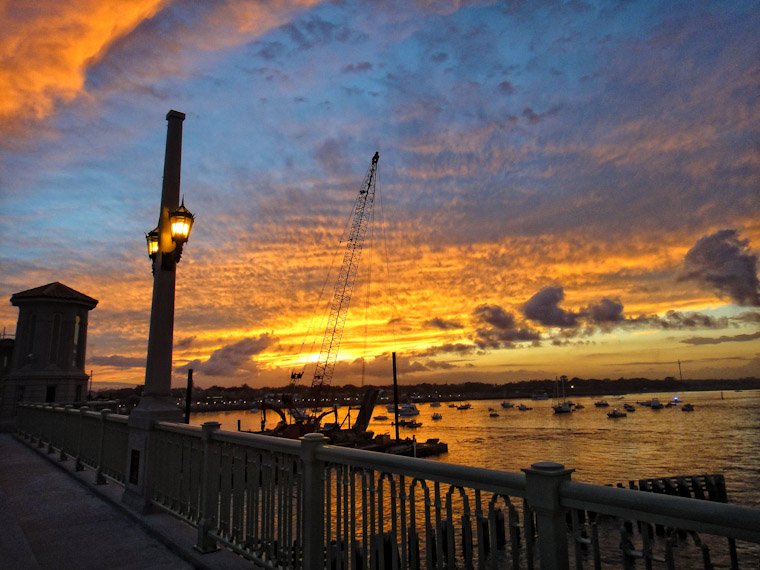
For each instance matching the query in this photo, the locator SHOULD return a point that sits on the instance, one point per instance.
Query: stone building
(48, 352)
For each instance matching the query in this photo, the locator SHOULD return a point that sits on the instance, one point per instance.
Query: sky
(564, 187)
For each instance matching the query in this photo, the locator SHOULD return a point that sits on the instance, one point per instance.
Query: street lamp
(181, 222)
(180, 225)
(165, 250)
(152, 239)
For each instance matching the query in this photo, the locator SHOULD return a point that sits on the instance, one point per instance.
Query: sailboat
(562, 406)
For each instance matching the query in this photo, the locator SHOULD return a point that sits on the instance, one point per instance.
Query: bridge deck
(50, 519)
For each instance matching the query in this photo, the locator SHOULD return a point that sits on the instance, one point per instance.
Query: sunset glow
(570, 188)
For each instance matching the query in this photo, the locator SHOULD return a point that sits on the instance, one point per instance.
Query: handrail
(722, 519)
(456, 475)
(303, 502)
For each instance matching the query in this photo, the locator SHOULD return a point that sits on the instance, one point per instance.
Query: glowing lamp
(152, 239)
(181, 221)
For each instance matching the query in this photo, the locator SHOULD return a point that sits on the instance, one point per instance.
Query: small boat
(409, 423)
(464, 407)
(655, 404)
(494, 414)
(436, 416)
(687, 408)
(523, 408)
(601, 404)
(562, 408)
(380, 418)
(507, 405)
(406, 410)
(579, 406)
(616, 414)
(435, 404)
(629, 407)
(452, 405)
(491, 410)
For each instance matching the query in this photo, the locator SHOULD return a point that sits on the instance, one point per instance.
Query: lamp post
(165, 250)
(165, 244)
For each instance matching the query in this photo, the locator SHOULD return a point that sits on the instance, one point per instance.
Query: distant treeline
(220, 397)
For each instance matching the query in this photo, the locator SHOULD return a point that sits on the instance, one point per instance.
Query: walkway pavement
(52, 517)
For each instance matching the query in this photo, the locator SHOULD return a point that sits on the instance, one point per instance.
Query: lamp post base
(138, 485)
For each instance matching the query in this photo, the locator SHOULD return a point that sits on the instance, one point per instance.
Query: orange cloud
(46, 47)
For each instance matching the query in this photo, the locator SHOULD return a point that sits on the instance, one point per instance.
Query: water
(721, 436)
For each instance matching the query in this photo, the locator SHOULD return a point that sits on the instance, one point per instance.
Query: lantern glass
(181, 223)
(152, 239)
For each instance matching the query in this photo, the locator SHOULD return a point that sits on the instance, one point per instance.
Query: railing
(97, 440)
(304, 504)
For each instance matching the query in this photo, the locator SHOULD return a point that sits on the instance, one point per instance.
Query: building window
(76, 343)
(30, 338)
(55, 339)
(78, 396)
(50, 395)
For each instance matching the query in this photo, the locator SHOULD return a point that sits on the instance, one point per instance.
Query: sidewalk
(54, 518)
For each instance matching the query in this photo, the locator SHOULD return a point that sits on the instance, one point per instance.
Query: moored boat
(436, 416)
(409, 423)
(616, 414)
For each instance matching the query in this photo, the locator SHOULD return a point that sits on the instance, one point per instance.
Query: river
(721, 436)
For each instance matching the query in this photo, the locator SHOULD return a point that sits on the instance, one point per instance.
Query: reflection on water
(719, 436)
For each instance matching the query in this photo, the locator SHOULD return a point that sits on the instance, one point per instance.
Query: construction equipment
(341, 298)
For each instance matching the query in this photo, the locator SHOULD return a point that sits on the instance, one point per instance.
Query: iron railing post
(542, 482)
(99, 478)
(313, 503)
(67, 411)
(78, 461)
(208, 493)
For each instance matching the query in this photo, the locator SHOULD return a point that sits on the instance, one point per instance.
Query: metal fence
(303, 504)
(97, 440)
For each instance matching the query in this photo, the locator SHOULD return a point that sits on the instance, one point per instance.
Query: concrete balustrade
(305, 504)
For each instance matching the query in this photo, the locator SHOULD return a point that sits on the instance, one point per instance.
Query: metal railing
(97, 440)
(303, 504)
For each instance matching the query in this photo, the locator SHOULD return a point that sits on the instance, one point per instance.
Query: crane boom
(344, 285)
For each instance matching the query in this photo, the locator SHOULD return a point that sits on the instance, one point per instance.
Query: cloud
(443, 324)
(233, 359)
(604, 312)
(506, 88)
(503, 331)
(52, 52)
(116, 361)
(544, 308)
(535, 118)
(723, 263)
(700, 340)
(47, 47)
(358, 67)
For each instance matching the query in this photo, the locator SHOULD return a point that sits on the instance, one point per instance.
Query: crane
(341, 298)
(344, 285)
